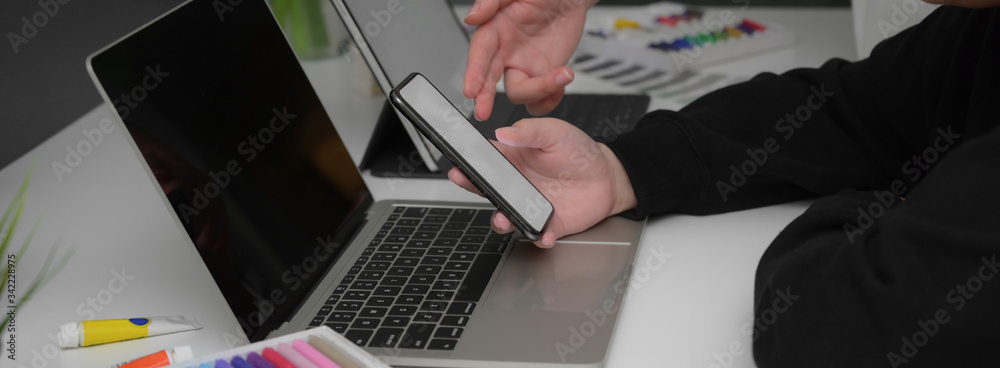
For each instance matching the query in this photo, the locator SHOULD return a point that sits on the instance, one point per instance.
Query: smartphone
(448, 129)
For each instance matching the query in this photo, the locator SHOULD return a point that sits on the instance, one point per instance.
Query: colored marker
(258, 362)
(219, 363)
(276, 359)
(160, 358)
(313, 355)
(335, 355)
(240, 363)
(293, 356)
(204, 365)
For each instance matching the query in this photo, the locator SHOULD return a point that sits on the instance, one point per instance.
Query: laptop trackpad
(570, 277)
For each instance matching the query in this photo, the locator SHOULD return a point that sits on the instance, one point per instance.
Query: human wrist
(623, 197)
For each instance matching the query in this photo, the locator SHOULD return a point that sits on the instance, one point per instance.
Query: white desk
(684, 313)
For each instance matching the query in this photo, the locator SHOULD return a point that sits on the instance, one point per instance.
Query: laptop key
(434, 260)
(479, 275)
(417, 336)
(363, 285)
(325, 310)
(450, 234)
(341, 317)
(356, 295)
(424, 235)
(462, 215)
(442, 344)
(457, 266)
(427, 317)
(382, 256)
(368, 251)
(395, 239)
(416, 289)
(408, 222)
(333, 299)
(380, 301)
(359, 337)
(393, 281)
(421, 243)
(449, 332)
(406, 261)
(371, 275)
(455, 320)
(378, 266)
(395, 321)
(461, 308)
(401, 271)
(386, 337)
(316, 321)
(403, 310)
(440, 295)
(387, 290)
(473, 239)
(398, 209)
(428, 270)
(436, 219)
(482, 218)
(341, 288)
(349, 306)
(445, 243)
(365, 323)
(467, 247)
(452, 275)
(446, 285)
(402, 230)
(455, 226)
(409, 252)
(477, 230)
(494, 247)
(422, 279)
(438, 251)
(339, 327)
(434, 306)
(409, 299)
(390, 247)
(373, 312)
(494, 237)
(415, 212)
(440, 211)
(464, 257)
(429, 227)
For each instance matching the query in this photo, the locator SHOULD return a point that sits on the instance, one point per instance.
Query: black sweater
(876, 280)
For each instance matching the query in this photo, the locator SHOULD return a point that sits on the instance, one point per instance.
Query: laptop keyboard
(418, 281)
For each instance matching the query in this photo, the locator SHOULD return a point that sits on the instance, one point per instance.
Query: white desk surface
(685, 313)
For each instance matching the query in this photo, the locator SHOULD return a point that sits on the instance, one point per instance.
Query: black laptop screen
(241, 146)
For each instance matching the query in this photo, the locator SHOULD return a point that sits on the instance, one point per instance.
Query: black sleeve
(811, 132)
(866, 279)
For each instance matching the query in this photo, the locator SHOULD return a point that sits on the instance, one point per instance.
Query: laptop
(254, 166)
(396, 37)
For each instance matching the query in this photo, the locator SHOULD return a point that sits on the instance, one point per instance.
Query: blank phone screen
(477, 151)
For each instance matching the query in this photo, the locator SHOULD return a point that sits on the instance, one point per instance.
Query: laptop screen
(242, 147)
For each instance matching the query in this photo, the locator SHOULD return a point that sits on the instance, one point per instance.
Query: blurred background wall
(44, 85)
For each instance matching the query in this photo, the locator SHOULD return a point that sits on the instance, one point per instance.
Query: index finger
(482, 49)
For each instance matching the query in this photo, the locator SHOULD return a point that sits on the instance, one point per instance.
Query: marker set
(657, 49)
(318, 347)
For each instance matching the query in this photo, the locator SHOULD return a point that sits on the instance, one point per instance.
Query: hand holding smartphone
(484, 165)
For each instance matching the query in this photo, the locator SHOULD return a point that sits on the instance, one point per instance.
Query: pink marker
(314, 355)
(293, 356)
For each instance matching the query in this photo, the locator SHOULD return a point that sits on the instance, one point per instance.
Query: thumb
(541, 133)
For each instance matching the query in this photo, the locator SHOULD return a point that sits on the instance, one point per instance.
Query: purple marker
(240, 363)
(219, 363)
(258, 361)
